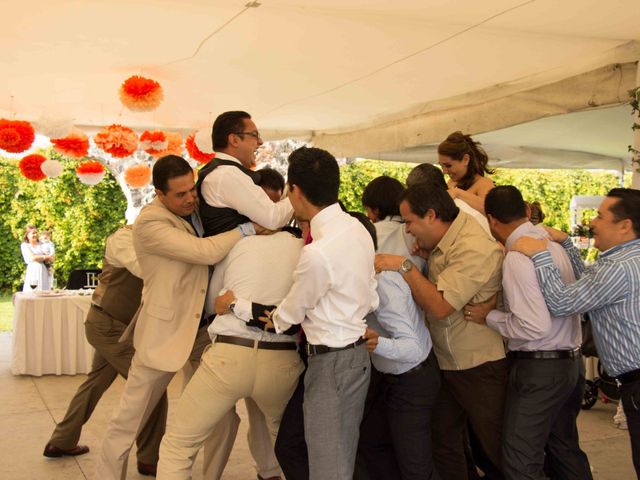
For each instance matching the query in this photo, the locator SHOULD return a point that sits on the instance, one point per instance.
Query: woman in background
(37, 275)
(465, 162)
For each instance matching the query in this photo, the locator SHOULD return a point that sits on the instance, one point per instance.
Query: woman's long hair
(456, 146)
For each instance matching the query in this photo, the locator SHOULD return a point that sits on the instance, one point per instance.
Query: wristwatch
(405, 266)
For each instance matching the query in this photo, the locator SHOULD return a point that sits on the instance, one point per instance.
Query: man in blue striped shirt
(609, 290)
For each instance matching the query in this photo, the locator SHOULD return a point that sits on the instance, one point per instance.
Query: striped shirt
(610, 291)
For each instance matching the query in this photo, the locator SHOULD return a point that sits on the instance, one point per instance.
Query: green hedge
(79, 217)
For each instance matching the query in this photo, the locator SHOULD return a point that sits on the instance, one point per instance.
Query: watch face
(406, 265)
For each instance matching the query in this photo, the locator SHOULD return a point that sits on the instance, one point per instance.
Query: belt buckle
(310, 351)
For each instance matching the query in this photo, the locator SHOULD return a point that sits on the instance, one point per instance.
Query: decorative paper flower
(195, 153)
(154, 141)
(137, 176)
(16, 136)
(31, 167)
(52, 168)
(141, 94)
(174, 145)
(54, 127)
(90, 172)
(203, 140)
(74, 145)
(117, 140)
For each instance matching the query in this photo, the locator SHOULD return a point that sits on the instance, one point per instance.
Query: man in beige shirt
(464, 267)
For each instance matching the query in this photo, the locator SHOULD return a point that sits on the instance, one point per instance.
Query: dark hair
(226, 124)
(627, 206)
(505, 204)
(27, 230)
(316, 173)
(537, 215)
(366, 223)
(382, 194)
(456, 146)
(168, 167)
(426, 173)
(271, 179)
(421, 199)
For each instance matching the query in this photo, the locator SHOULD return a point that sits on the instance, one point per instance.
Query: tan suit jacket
(174, 264)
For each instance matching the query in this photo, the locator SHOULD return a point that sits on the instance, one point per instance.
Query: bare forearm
(426, 294)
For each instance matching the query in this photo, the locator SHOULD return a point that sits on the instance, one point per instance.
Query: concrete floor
(30, 406)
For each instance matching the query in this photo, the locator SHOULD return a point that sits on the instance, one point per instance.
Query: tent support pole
(635, 177)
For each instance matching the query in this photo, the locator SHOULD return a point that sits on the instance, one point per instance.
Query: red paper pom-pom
(90, 167)
(117, 141)
(74, 145)
(195, 153)
(154, 141)
(31, 167)
(137, 176)
(16, 136)
(174, 145)
(141, 94)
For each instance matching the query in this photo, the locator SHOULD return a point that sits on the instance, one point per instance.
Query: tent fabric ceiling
(335, 71)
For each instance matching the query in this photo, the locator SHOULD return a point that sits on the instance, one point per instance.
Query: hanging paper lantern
(174, 145)
(74, 145)
(90, 172)
(54, 127)
(137, 176)
(117, 141)
(15, 135)
(195, 153)
(31, 167)
(52, 168)
(141, 94)
(203, 140)
(154, 141)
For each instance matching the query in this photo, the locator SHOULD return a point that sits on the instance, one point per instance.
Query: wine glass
(33, 283)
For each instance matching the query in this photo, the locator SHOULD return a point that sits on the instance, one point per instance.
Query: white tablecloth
(48, 335)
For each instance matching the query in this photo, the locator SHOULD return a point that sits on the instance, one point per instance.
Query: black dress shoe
(55, 452)
(147, 469)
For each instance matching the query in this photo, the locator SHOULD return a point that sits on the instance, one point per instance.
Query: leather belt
(629, 377)
(247, 342)
(411, 371)
(320, 349)
(545, 354)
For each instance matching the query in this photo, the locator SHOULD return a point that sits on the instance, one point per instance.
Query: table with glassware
(48, 333)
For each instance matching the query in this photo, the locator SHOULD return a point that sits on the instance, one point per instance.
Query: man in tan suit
(169, 326)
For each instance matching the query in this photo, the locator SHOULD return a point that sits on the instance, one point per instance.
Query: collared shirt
(259, 268)
(527, 323)
(119, 251)
(466, 267)
(228, 187)
(404, 340)
(610, 291)
(334, 285)
(393, 238)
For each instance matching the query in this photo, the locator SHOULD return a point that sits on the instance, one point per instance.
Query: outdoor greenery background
(80, 216)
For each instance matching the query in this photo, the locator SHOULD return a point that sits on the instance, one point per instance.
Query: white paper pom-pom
(90, 178)
(54, 127)
(51, 168)
(203, 140)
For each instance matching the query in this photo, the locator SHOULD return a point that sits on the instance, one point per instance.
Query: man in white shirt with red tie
(334, 288)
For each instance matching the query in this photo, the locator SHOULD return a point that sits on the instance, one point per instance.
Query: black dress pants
(291, 447)
(395, 433)
(540, 432)
(630, 396)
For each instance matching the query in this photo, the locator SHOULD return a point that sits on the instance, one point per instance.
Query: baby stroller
(603, 385)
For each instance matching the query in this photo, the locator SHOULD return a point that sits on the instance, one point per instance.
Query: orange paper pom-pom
(174, 145)
(141, 94)
(15, 135)
(154, 141)
(117, 141)
(195, 153)
(137, 176)
(90, 166)
(31, 167)
(74, 145)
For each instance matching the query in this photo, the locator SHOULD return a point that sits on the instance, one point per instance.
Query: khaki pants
(227, 374)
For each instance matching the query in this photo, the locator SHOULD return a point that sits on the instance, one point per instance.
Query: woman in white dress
(37, 275)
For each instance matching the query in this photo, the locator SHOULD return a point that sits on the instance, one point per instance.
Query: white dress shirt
(393, 238)
(228, 186)
(477, 216)
(119, 251)
(259, 268)
(334, 285)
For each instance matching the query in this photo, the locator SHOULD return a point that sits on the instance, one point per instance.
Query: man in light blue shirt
(609, 290)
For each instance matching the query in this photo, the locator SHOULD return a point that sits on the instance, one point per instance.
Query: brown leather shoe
(147, 469)
(55, 452)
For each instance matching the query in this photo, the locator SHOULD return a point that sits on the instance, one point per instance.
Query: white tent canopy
(355, 76)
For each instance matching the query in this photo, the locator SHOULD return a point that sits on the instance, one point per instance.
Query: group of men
(327, 342)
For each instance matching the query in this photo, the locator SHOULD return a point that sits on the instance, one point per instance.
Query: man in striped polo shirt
(609, 290)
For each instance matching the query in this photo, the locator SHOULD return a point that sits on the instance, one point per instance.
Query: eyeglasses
(255, 134)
